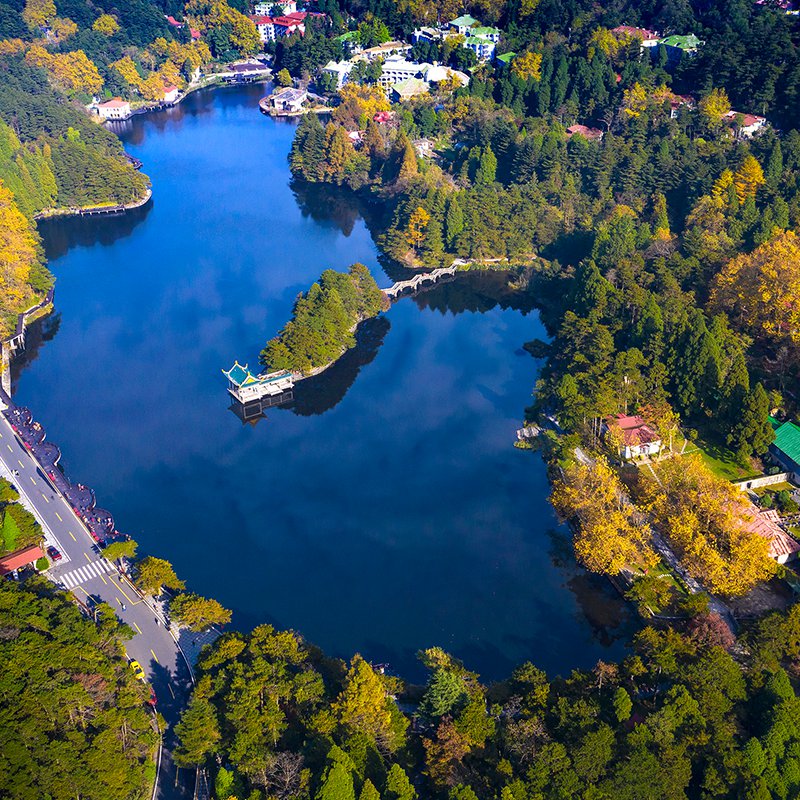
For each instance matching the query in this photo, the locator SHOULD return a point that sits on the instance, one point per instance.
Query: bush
(42, 564)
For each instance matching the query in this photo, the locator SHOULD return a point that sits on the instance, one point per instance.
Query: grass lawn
(720, 460)
(774, 488)
(9, 533)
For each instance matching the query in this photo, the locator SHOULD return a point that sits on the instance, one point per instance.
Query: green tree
(283, 78)
(198, 733)
(121, 549)
(398, 786)
(337, 784)
(153, 574)
(622, 705)
(197, 613)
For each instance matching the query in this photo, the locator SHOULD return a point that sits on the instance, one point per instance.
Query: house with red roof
(289, 24)
(592, 134)
(766, 523)
(19, 559)
(113, 109)
(649, 38)
(171, 94)
(265, 26)
(745, 125)
(632, 436)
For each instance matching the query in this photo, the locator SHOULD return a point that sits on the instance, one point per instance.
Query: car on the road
(137, 669)
(54, 553)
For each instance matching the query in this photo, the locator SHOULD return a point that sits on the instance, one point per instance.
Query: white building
(113, 109)
(265, 27)
(171, 94)
(340, 69)
(397, 69)
(265, 9)
(748, 124)
(385, 50)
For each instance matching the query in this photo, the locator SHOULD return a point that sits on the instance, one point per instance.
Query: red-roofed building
(171, 94)
(113, 109)
(19, 559)
(172, 21)
(286, 26)
(649, 38)
(678, 101)
(382, 117)
(747, 124)
(633, 436)
(195, 34)
(593, 134)
(265, 27)
(782, 547)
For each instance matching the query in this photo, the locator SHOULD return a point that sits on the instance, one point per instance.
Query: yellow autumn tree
(106, 24)
(608, 536)
(73, 71)
(761, 290)
(714, 106)
(705, 520)
(528, 65)
(126, 68)
(603, 41)
(20, 253)
(244, 35)
(417, 225)
(634, 100)
(748, 178)
(37, 13)
(10, 47)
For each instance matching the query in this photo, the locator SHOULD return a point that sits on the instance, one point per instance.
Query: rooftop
(787, 440)
(685, 42)
(631, 30)
(19, 558)
(115, 103)
(506, 57)
(634, 429)
(464, 21)
(410, 87)
(766, 524)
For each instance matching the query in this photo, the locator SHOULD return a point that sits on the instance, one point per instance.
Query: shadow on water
(477, 292)
(59, 234)
(39, 332)
(323, 392)
(612, 620)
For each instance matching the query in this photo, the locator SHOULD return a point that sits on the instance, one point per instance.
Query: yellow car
(137, 670)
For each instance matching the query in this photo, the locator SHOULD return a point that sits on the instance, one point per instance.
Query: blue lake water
(387, 511)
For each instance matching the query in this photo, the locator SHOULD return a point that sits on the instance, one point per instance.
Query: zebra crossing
(94, 569)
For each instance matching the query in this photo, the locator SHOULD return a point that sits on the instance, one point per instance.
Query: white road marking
(94, 569)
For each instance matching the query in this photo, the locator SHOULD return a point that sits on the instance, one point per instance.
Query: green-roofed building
(786, 447)
(462, 24)
(245, 387)
(506, 58)
(680, 45)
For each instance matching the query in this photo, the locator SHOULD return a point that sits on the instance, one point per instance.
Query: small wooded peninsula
(324, 320)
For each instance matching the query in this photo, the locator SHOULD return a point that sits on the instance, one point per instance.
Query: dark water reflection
(385, 510)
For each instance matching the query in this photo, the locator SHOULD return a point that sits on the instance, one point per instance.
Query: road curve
(85, 573)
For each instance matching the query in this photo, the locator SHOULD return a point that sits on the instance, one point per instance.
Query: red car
(54, 554)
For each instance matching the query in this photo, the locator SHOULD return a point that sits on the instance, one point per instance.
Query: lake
(386, 510)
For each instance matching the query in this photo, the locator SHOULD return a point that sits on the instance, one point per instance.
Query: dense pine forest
(73, 718)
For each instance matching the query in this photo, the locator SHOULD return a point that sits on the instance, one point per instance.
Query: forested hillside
(679, 718)
(73, 718)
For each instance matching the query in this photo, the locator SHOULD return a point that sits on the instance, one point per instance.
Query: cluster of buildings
(275, 20)
(400, 78)
(481, 39)
(676, 45)
(118, 109)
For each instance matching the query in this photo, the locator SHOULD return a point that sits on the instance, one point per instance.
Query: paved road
(85, 573)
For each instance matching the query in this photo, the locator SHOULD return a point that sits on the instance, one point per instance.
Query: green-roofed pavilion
(786, 447)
